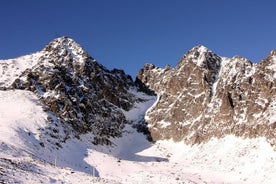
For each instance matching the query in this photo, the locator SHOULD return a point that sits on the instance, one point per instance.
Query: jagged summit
(61, 51)
(206, 95)
(270, 60)
(82, 92)
(69, 53)
(201, 56)
(64, 46)
(272, 53)
(199, 50)
(64, 42)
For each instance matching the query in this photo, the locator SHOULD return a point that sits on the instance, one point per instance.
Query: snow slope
(10, 69)
(23, 125)
(131, 158)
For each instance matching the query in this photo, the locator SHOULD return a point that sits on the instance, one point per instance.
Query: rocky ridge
(75, 87)
(207, 96)
(204, 96)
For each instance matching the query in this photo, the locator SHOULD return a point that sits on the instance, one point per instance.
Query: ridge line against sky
(127, 34)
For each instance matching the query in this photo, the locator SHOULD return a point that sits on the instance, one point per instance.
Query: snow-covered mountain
(208, 96)
(65, 118)
(75, 87)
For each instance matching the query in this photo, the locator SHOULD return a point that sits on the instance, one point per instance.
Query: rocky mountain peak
(273, 52)
(82, 92)
(270, 60)
(65, 45)
(202, 57)
(206, 95)
(65, 51)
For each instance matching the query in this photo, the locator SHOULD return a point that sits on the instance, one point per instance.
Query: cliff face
(207, 96)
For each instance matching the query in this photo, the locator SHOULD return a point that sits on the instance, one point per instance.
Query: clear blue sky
(127, 34)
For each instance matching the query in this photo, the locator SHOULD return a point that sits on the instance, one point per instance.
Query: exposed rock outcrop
(207, 96)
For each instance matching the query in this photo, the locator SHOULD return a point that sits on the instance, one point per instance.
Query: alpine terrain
(65, 118)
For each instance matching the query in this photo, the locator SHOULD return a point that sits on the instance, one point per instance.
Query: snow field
(131, 159)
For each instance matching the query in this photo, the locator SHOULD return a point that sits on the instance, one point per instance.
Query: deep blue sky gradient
(127, 34)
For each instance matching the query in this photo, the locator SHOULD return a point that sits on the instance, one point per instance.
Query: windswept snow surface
(131, 159)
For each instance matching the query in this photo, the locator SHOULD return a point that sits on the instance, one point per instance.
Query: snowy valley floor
(132, 159)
